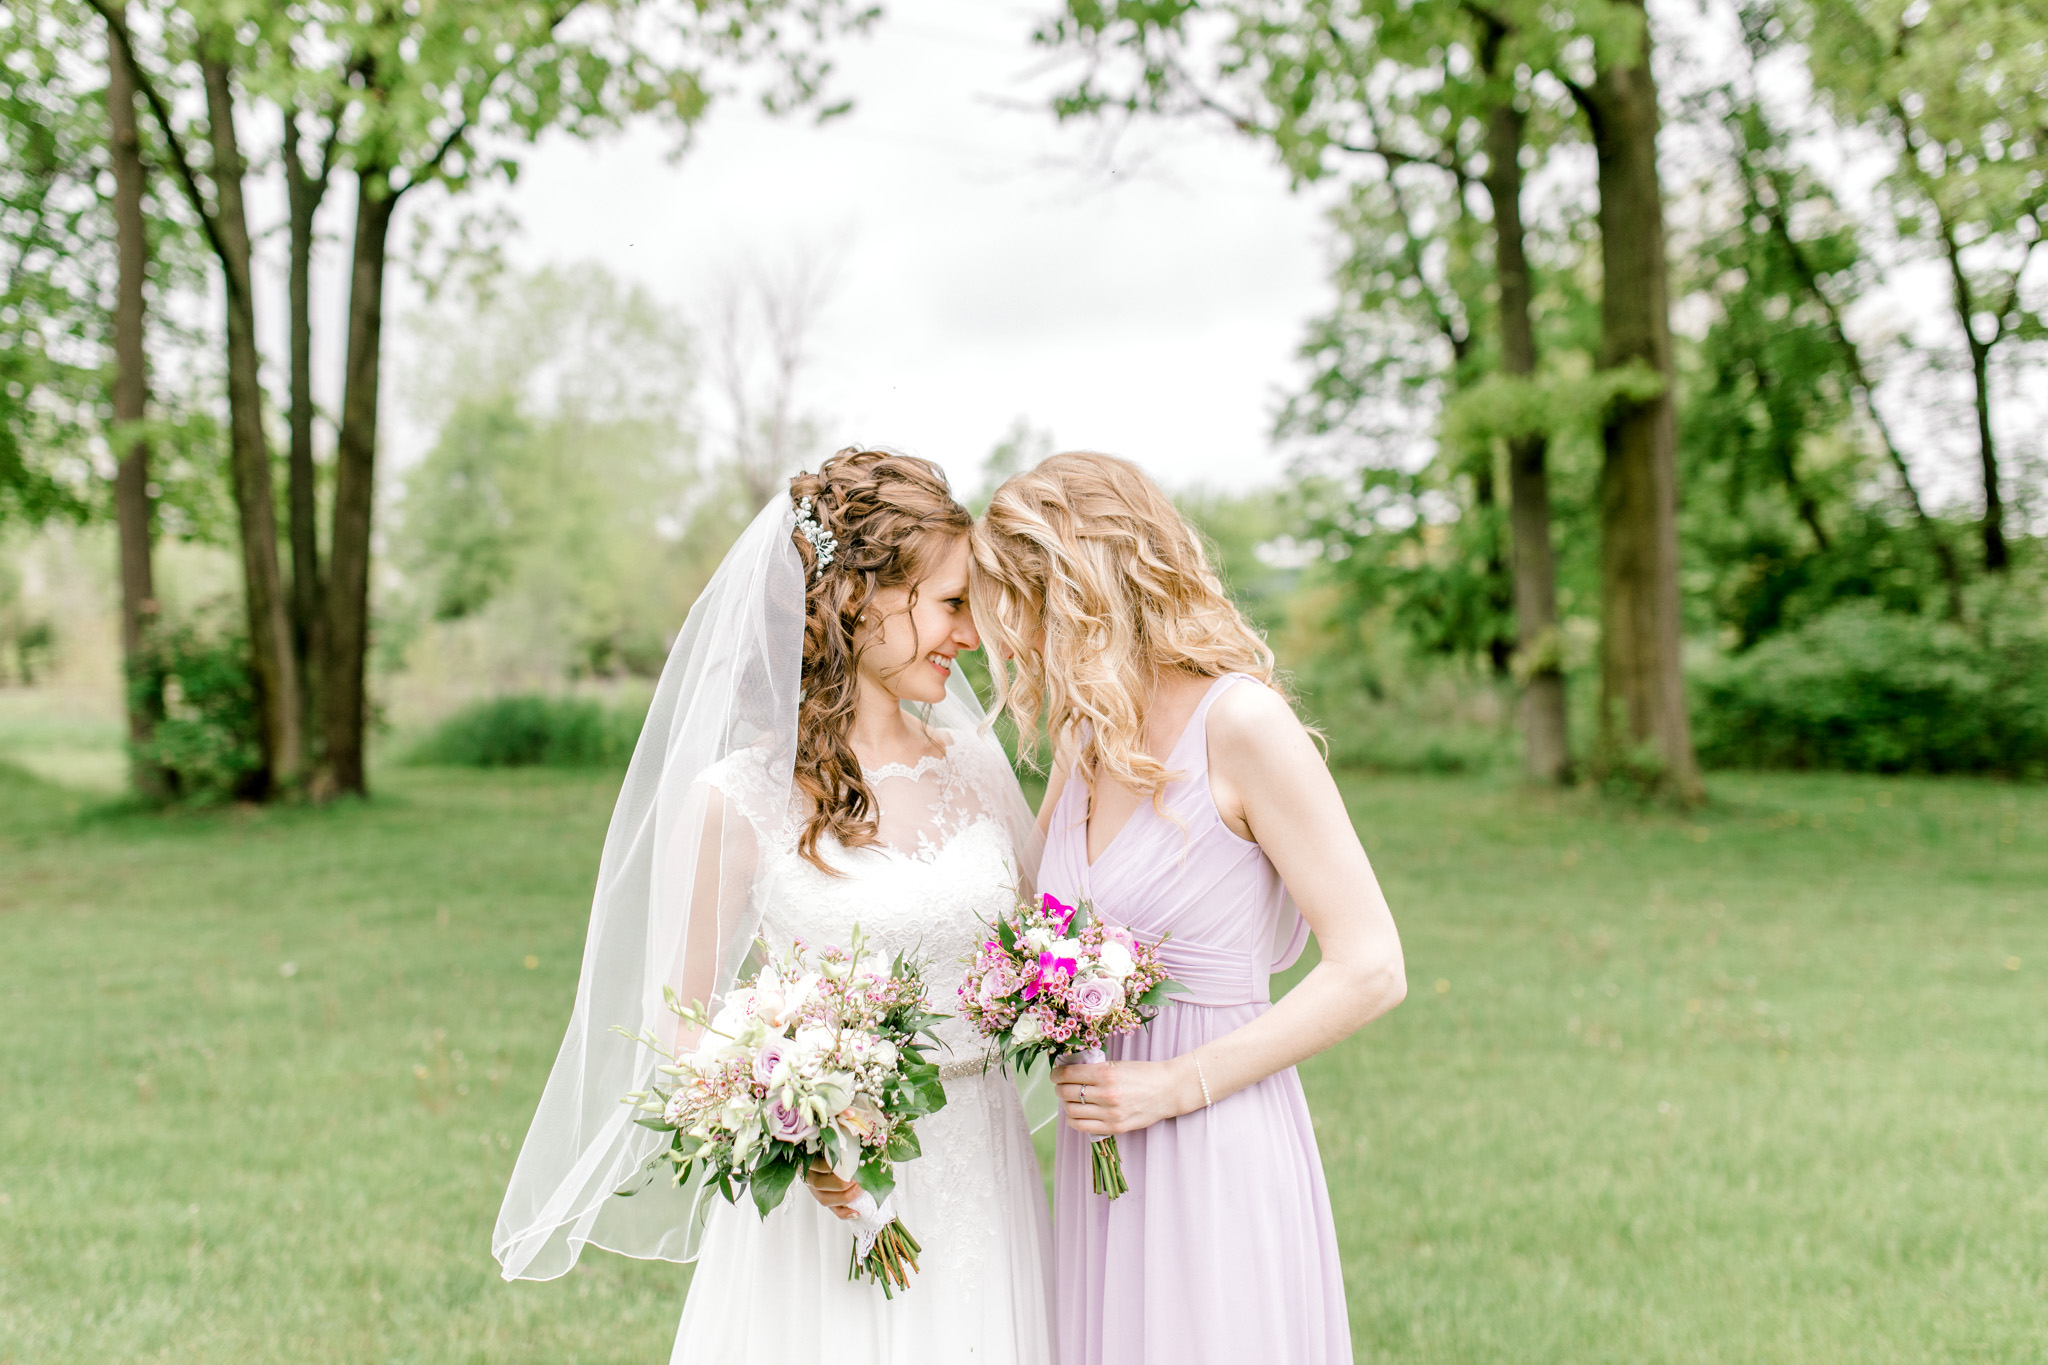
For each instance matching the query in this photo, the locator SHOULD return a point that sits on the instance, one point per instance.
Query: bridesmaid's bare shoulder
(1257, 747)
(1246, 719)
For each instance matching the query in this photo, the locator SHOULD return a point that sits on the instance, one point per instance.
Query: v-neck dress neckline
(1197, 721)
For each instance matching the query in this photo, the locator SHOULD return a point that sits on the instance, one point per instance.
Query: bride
(781, 789)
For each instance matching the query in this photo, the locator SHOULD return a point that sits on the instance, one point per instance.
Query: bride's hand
(1121, 1097)
(828, 1189)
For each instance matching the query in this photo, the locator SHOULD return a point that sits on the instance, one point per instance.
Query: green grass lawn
(1766, 1084)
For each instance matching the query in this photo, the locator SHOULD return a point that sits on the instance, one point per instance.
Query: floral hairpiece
(822, 541)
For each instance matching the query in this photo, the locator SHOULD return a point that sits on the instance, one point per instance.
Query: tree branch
(430, 168)
(1248, 124)
(1411, 251)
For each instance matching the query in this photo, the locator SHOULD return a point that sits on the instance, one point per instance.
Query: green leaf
(904, 1145)
(877, 1176)
(1160, 993)
(771, 1182)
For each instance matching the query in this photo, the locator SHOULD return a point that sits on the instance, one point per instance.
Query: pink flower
(1053, 905)
(997, 982)
(789, 1125)
(768, 1058)
(1097, 996)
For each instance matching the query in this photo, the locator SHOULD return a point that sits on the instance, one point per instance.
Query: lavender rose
(789, 1125)
(999, 981)
(1097, 996)
(769, 1057)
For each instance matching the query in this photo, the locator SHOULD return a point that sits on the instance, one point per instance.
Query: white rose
(813, 1045)
(1038, 940)
(1026, 1029)
(1115, 960)
(884, 1054)
(1066, 947)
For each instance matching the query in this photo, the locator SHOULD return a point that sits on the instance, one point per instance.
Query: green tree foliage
(56, 235)
(551, 506)
(1872, 690)
(1959, 89)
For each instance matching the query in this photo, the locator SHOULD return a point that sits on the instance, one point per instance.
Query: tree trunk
(348, 569)
(275, 676)
(1500, 650)
(132, 510)
(1995, 558)
(1546, 746)
(1642, 681)
(303, 194)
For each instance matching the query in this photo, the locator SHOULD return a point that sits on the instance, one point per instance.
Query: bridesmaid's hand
(1122, 1097)
(828, 1189)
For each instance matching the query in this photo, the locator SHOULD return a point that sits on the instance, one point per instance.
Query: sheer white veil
(676, 906)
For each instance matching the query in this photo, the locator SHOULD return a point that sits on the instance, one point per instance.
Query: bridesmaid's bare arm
(1271, 786)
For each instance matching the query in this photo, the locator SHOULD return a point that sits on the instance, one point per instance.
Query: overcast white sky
(990, 266)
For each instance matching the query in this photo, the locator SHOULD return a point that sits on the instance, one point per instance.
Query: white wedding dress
(775, 1291)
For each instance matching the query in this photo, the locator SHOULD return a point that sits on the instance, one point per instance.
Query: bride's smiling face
(916, 633)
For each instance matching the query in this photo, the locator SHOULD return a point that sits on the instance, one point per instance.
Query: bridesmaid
(1188, 803)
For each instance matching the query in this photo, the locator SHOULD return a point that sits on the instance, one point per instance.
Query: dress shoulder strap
(1197, 733)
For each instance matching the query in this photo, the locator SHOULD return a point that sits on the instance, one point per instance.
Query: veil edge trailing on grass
(675, 907)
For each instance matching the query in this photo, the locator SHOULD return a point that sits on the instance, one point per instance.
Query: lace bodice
(943, 869)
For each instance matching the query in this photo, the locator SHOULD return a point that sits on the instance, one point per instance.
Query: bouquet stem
(1109, 1166)
(890, 1260)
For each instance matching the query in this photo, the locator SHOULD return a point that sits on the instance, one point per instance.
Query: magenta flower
(1049, 969)
(1053, 905)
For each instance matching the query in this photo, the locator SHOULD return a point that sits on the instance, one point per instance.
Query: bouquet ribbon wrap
(1087, 1057)
(873, 1218)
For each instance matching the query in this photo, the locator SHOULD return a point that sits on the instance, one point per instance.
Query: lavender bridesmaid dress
(1224, 1249)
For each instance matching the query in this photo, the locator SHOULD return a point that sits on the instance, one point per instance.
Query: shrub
(532, 731)
(209, 738)
(1870, 690)
(1397, 711)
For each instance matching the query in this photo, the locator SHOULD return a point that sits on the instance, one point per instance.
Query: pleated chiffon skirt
(1224, 1249)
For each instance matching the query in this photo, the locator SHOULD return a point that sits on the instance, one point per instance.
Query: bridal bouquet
(812, 1058)
(1057, 981)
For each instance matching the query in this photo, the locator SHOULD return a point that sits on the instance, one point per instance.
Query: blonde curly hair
(1087, 584)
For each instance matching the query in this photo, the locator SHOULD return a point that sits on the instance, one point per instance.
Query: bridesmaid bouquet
(1055, 980)
(807, 1060)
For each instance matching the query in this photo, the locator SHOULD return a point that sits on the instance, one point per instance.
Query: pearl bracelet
(1206, 1101)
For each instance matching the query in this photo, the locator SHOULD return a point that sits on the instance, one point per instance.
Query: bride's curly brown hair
(891, 514)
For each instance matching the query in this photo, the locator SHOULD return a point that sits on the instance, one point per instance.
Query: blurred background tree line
(1591, 472)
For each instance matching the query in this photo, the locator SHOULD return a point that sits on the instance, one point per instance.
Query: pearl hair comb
(822, 541)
